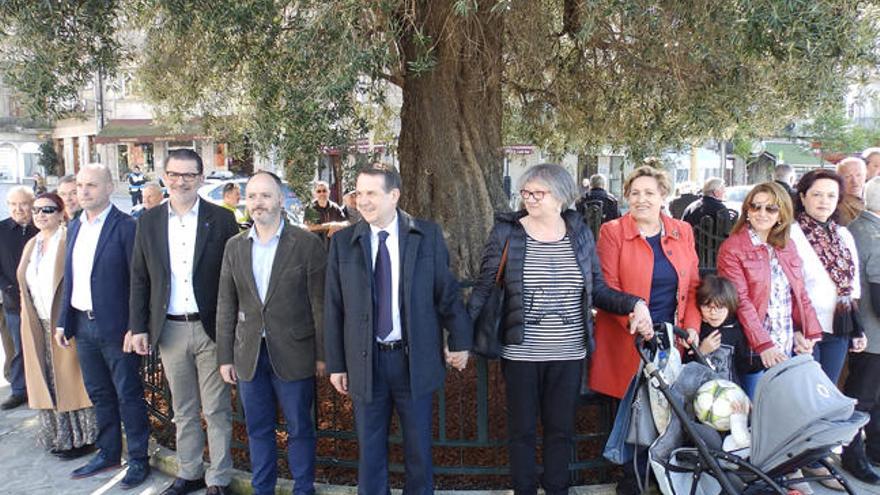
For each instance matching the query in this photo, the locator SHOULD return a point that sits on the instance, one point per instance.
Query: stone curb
(165, 460)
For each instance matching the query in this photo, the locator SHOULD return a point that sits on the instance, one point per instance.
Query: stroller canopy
(797, 408)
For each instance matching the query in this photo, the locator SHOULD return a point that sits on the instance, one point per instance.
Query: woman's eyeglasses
(45, 210)
(770, 209)
(536, 195)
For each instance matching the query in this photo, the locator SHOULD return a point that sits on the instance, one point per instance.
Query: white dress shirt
(393, 243)
(40, 273)
(84, 259)
(821, 289)
(181, 252)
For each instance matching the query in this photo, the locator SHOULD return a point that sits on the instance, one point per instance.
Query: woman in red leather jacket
(763, 264)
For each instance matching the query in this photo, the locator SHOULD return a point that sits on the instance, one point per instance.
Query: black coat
(707, 206)
(507, 226)
(13, 237)
(429, 301)
(151, 267)
(601, 197)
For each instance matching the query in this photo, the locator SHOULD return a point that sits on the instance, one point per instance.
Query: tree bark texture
(450, 146)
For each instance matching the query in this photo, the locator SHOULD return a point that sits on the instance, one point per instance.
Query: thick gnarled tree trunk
(450, 145)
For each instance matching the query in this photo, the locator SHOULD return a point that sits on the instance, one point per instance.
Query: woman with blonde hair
(763, 263)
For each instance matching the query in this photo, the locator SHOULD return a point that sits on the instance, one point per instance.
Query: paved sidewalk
(27, 468)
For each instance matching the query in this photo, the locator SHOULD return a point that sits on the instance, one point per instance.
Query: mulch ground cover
(457, 449)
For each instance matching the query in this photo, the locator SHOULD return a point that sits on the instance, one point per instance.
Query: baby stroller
(797, 417)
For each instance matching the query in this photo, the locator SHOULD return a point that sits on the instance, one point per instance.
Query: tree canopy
(296, 75)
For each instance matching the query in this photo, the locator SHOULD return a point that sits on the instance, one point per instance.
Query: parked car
(219, 175)
(735, 195)
(213, 192)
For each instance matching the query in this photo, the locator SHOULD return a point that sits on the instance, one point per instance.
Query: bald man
(853, 170)
(94, 311)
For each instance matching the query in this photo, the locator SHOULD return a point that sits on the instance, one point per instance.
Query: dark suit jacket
(110, 276)
(151, 267)
(429, 299)
(293, 315)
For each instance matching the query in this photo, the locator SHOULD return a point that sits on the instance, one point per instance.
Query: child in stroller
(798, 416)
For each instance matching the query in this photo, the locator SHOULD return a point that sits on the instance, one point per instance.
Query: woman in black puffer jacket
(552, 278)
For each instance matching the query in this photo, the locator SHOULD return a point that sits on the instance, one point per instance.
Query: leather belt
(88, 314)
(183, 317)
(390, 346)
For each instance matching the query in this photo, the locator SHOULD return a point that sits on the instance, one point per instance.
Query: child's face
(714, 315)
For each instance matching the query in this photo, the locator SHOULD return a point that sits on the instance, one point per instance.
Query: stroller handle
(646, 354)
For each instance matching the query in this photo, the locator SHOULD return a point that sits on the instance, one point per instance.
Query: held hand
(859, 344)
(772, 356)
(640, 321)
(126, 343)
(227, 372)
(802, 345)
(693, 338)
(139, 344)
(340, 382)
(60, 339)
(320, 368)
(456, 359)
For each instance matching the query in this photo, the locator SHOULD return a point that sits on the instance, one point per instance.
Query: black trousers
(549, 389)
(863, 383)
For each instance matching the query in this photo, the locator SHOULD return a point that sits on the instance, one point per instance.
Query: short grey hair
(872, 194)
(869, 152)
(153, 187)
(557, 179)
(20, 189)
(598, 181)
(712, 184)
(100, 168)
(851, 160)
(319, 183)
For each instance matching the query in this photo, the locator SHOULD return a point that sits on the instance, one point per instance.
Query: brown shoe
(217, 490)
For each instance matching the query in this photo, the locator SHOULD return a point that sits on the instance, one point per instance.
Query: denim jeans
(115, 388)
(16, 367)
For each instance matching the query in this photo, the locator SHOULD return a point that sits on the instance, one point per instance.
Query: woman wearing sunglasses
(758, 257)
(54, 380)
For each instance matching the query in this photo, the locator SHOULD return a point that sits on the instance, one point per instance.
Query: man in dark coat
(709, 205)
(387, 293)
(15, 232)
(175, 272)
(599, 196)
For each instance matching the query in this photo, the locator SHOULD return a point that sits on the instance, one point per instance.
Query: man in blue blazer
(388, 294)
(94, 311)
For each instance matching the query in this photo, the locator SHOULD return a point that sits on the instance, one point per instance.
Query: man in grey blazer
(175, 269)
(269, 326)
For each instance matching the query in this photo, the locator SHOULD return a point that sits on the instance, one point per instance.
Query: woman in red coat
(650, 255)
(761, 261)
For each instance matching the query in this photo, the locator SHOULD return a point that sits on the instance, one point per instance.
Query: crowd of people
(362, 295)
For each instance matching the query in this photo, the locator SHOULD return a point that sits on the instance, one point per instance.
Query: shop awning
(146, 131)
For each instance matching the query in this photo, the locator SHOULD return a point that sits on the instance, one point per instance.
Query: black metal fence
(470, 417)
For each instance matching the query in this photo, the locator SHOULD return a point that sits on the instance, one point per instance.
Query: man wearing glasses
(178, 251)
(324, 217)
(15, 232)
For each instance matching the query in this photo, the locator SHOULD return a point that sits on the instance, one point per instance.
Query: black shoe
(137, 472)
(97, 465)
(74, 453)
(13, 401)
(218, 490)
(855, 461)
(182, 486)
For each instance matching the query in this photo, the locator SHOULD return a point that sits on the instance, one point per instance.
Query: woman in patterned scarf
(831, 276)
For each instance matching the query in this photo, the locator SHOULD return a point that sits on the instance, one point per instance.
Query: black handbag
(487, 327)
